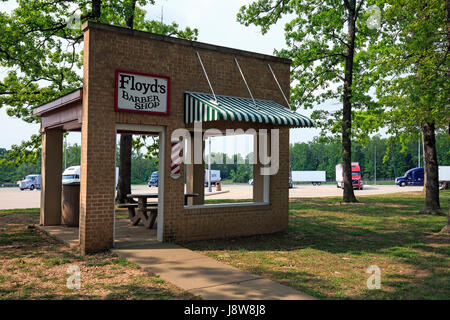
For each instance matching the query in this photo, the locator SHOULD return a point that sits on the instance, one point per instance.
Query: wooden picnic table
(147, 211)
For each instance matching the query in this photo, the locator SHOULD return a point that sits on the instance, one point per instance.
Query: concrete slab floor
(196, 273)
(125, 234)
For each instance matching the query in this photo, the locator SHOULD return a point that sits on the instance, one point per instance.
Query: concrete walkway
(184, 268)
(202, 275)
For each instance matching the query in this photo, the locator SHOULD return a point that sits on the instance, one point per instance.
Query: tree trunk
(96, 8)
(124, 183)
(424, 189)
(432, 205)
(446, 229)
(130, 19)
(349, 195)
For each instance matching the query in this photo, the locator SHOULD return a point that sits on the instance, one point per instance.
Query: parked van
(31, 181)
(71, 175)
(153, 181)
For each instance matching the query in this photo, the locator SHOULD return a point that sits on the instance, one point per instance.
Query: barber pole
(176, 157)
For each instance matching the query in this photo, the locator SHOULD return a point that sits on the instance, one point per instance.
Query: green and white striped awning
(202, 107)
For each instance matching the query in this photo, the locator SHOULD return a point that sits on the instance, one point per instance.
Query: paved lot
(12, 198)
(299, 191)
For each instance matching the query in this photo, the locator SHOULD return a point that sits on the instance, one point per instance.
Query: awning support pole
(206, 75)
(242, 74)
(276, 80)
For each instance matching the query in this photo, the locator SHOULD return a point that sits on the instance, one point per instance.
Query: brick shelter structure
(118, 59)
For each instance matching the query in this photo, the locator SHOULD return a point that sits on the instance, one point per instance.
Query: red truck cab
(356, 176)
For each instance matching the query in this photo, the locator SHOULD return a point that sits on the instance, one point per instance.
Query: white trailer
(315, 177)
(339, 175)
(72, 175)
(215, 177)
(444, 177)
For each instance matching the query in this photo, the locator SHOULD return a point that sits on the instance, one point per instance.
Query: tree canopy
(326, 41)
(42, 54)
(411, 59)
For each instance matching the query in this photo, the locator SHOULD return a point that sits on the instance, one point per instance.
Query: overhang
(63, 113)
(203, 107)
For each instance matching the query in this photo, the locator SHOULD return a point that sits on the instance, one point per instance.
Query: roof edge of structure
(68, 98)
(195, 44)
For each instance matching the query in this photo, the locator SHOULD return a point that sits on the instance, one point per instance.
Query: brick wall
(109, 48)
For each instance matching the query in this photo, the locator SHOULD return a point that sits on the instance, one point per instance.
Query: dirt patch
(34, 266)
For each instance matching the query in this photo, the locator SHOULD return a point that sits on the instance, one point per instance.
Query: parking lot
(12, 198)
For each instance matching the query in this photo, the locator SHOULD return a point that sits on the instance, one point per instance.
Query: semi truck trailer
(315, 177)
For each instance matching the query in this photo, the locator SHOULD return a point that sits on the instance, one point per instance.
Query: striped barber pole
(176, 158)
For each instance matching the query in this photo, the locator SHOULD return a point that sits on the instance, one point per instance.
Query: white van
(71, 175)
(31, 181)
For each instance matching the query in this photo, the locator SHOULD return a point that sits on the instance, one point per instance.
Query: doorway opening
(141, 218)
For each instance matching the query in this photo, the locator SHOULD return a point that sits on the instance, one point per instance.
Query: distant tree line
(310, 156)
(235, 168)
(10, 173)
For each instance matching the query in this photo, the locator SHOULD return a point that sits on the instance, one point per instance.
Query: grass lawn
(380, 182)
(329, 246)
(33, 266)
(229, 181)
(365, 182)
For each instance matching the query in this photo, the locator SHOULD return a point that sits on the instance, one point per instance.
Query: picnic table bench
(146, 211)
(132, 210)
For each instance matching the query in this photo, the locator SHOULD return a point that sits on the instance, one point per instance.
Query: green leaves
(27, 152)
(42, 56)
(317, 41)
(264, 13)
(413, 65)
(400, 67)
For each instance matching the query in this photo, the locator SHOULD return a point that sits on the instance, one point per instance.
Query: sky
(216, 22)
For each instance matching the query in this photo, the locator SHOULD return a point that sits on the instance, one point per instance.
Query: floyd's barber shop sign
(141, 92)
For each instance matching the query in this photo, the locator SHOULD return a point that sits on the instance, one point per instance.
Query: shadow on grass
(334, 237)
(385, 227)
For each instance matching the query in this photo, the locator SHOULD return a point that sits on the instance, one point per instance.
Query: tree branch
(358, 8)
(347, 4)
